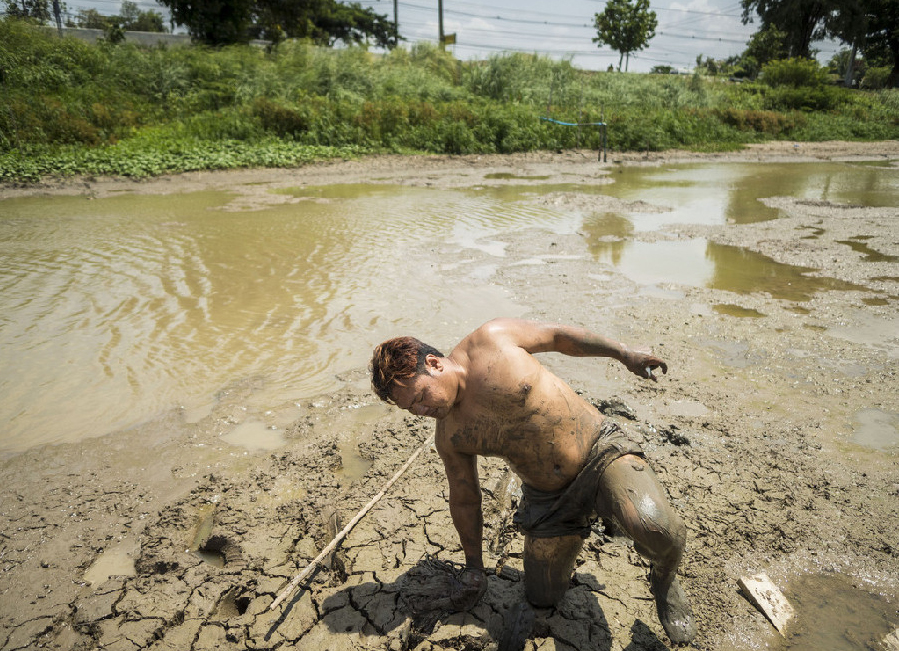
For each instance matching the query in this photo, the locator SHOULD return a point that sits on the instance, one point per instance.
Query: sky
(686, 29)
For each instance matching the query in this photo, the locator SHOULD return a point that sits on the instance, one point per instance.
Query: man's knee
(642, 509)
(548, 565)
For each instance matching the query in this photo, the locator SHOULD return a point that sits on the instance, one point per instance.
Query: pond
(114, 310)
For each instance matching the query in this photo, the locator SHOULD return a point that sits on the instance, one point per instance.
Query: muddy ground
(165, 537)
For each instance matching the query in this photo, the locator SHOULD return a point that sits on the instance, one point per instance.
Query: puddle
(701, 263)
(870, 254)
(199, 545)
(118, 561)
(815, 232)
(255, 436)
(868, 330)
(736, 310)
(832, 613)
(205, 522)
(353, 465)
(211, 557)
(508, 176)
(876, 429)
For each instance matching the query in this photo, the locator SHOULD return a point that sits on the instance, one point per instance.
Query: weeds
(67, 107)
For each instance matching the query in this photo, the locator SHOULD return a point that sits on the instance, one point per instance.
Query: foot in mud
(673, 608)
(519, 626)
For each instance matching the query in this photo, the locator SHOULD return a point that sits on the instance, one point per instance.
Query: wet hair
(399, 358)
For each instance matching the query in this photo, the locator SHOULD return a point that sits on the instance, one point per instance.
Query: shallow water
(836, 613)
(115, 310)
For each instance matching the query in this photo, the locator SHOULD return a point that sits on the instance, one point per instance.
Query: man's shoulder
(495, 333)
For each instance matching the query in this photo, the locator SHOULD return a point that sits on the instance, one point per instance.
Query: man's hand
(474, 585)
(643, 364)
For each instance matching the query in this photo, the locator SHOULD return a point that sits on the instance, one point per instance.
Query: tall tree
(882, 40)
(801, 20)
(214, 22)
(218, 22)
(848, 22)
(38, 10)
(135, 20)
(626, 26)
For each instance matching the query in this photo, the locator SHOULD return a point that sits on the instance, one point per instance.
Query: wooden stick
(346, 530)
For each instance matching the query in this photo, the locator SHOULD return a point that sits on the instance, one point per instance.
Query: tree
(882, 39)
(213, 22)
(848, 22)
(135, 20)
(800, 20)
(132, 19)
(219, 22)
(626, 26)
(322, 21)
(38, 10)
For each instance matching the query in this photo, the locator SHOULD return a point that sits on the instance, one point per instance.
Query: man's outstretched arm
(538, 337)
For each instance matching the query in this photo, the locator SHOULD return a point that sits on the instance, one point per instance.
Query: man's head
(398, 360)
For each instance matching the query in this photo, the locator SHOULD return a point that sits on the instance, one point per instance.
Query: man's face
(425, 394)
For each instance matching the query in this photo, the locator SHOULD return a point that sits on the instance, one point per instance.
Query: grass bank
(69, 107)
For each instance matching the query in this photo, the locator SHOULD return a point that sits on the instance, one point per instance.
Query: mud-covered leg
(548, 564)
(630, 492)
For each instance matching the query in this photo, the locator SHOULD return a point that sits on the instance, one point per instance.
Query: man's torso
(516, 409)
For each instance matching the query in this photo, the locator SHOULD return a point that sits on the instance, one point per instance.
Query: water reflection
(701, 263)
(715, 193)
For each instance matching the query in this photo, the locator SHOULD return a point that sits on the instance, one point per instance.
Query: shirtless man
(491, 397)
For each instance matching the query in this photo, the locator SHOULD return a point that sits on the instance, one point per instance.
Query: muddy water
(114, 310)
(835, 612)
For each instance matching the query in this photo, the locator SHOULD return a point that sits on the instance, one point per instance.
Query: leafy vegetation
(68, 107)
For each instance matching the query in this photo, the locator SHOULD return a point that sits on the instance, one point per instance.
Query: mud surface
(166, 537)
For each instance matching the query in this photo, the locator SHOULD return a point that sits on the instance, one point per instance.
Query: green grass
(67, 107)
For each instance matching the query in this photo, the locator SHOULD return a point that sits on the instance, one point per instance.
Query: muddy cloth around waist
(573, 509)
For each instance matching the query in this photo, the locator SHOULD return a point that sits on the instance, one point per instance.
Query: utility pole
(440, 24)
(58, 13)
(396, 25)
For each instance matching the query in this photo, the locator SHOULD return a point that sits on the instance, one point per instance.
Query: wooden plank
(765, 596)
(891, 641)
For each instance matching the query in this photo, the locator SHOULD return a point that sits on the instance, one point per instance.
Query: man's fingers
(649, 368)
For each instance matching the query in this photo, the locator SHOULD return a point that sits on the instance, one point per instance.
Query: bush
(769, 123)
(876, 78)
(793, 73)
(174, 108)
(787, 98)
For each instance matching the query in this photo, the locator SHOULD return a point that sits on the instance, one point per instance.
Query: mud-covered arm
(464, 501)
(538, 337)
